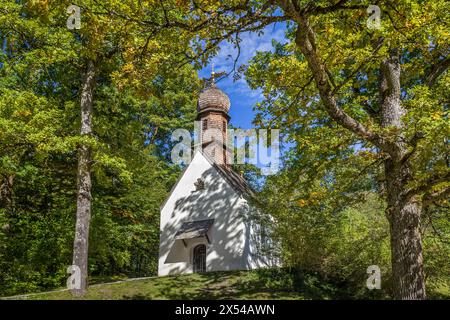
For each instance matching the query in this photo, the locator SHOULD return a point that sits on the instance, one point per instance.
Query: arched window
(199, 258)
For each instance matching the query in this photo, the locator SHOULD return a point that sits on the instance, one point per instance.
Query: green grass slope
(256, 284)
(262, 284)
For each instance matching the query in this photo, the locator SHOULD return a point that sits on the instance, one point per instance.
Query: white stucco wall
(232, 245)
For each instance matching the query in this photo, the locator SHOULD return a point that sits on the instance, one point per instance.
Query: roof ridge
(235, 179)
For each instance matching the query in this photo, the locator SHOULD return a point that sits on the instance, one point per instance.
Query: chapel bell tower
(212, 112)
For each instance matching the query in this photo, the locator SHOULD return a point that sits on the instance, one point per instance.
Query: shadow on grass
(256, 284)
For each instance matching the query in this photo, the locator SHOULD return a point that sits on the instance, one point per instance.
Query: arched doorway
(199, 258)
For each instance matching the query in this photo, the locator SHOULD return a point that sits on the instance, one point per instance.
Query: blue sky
(243, 99)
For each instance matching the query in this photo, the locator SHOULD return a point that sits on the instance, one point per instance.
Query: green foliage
(436, 230)
(137, 104)
(336, 243)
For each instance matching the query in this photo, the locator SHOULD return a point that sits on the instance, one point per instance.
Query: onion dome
(213, 99)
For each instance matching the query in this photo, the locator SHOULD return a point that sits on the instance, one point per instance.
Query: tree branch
(361, 65)
(305, 41)
(426, 186)
(437, 70)
(340, 5)
(429, 198)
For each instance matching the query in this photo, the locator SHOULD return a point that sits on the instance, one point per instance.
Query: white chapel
(207, 222)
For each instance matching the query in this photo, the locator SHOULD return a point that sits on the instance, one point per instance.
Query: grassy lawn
(257, 284)
(214, 285)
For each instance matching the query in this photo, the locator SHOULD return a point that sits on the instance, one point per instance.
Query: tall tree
(341, 79)
(84, 181)
(105, 39)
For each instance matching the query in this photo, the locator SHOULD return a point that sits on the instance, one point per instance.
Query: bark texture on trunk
(408, 278)
(403, 212)
(84, 184)
(6, 192)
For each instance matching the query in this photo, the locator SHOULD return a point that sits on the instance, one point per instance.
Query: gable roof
(236, 181)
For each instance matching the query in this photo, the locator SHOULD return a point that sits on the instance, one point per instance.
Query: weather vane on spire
(212, 73)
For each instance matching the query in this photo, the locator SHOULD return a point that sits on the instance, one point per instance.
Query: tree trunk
(403, 212)
(84, 184)
(406, 241)
(6, 192)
